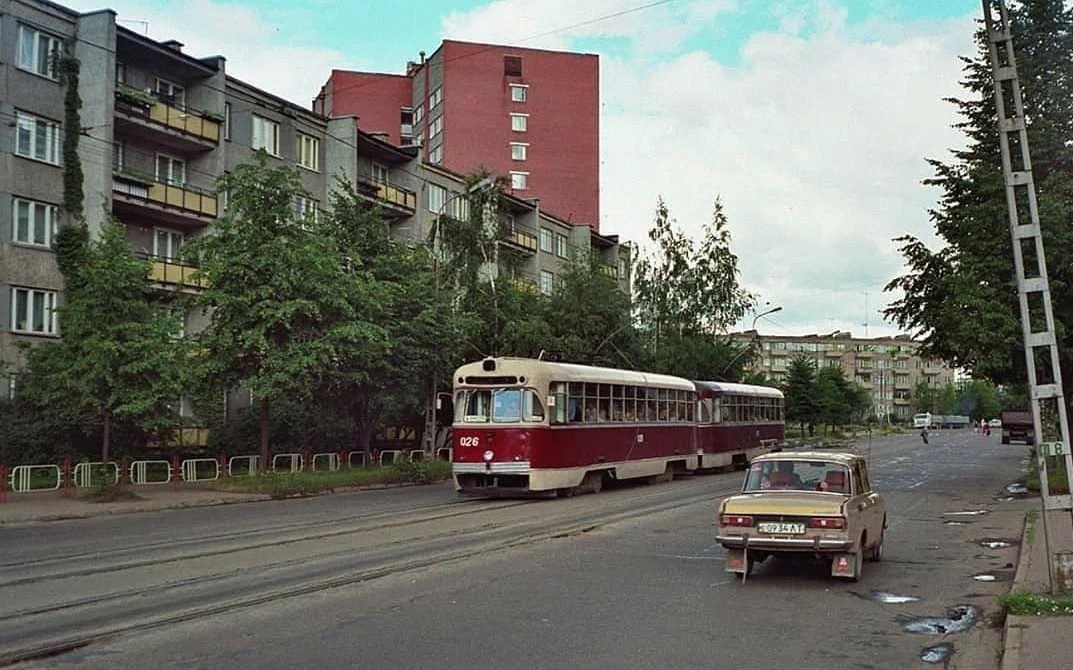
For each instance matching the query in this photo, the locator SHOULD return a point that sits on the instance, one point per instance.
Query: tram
(532, 426)
(737, 422)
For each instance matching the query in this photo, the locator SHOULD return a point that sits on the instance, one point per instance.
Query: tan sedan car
(815, 503)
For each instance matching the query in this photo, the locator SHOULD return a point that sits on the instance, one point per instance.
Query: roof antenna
(143, 24)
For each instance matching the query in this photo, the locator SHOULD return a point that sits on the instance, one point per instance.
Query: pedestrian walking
(924, 434)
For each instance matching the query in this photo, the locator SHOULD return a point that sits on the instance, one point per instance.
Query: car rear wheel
(875, 553)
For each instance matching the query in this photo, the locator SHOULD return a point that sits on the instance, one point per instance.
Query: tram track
(378, 551)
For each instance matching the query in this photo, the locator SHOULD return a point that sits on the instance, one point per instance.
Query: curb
(103, 512)
(1013, 628)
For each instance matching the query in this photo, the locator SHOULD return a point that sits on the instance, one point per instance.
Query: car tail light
(827, 522)
(735, 520)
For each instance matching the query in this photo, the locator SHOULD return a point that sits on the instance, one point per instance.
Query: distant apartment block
(888, 367)
(161, 126)
(529, 114)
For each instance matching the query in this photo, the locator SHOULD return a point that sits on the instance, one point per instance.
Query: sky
(811, 120)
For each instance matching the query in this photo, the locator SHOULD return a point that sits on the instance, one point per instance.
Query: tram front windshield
(501, 405)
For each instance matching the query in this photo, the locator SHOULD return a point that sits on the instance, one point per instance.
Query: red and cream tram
(523, 425)
(737, 422)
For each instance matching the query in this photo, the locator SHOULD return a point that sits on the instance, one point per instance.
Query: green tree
(413, 330)
(681, 287)
(978, 399)
(833, 396)
(589, 317)
(119, 359)
(925, 398)
(800, 391)
(279, 299)
(962, 297)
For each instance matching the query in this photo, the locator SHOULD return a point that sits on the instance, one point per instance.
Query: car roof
(832, 456)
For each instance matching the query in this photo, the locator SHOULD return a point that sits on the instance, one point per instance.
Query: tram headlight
(489, 455)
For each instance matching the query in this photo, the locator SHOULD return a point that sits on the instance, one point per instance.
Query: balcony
(524, 285)
(177, 126)
(172, 274)
(393, 199)
(608, 270)
(521, 240)
(177, 203)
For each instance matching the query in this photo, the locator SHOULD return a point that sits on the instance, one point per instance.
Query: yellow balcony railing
(525, 285)
(609, 270)
(148, 106)
(399, 197)
(188, 198)
(166, 271)
(520, 238)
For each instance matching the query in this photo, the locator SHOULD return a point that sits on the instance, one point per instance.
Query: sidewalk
(1039, 642)
(55, 506)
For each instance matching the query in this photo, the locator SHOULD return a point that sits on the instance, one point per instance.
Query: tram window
(717, 410)
(566, 408)
(533, 409)
(506, 406)
(477, 406)
(704, 410)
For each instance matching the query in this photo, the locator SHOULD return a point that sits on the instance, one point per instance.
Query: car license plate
(780, 528)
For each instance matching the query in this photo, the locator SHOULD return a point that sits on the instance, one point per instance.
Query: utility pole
(1050, 423)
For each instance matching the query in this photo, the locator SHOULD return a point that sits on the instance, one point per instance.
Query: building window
(435, 127)
(435, 156)
(519, 151)
(265, 135)
(519, 92)
(166, 243)
(419, 114)
(519, 123)
(435, 99)
(171, 93)
(560, 245)
(547, 282)
(305, 209)
(436, 196)
(118, 155)
(33, 311)
(35, 223)
(547, 241)
(309, 152)
(170, 170)
(37, 138)
(379, 173)
(512, 66)
(227, 121)
(406, 123)
(35, 51)
(120, 73)
(519, 181)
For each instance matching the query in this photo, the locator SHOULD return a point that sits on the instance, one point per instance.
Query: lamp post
(485, 184)
(755, 337)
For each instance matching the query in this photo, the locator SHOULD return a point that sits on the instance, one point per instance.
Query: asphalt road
(413, 578)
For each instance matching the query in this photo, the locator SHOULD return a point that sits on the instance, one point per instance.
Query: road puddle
(956, 523)
(985, 578)
(958, 619)
(998, 543)
(940, 653)
(888, 598)
(975, 512)
(1017, 489)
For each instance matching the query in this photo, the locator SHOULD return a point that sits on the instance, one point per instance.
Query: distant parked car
(995, 423)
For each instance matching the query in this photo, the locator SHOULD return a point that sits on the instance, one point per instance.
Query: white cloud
(552, 24)
(256, 51)
(816, 141)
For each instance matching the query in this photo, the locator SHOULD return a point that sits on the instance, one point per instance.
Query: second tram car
(524, 425)
(737, 422)
(529, 426)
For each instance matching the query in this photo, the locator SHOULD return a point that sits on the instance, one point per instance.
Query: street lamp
(755, 338)
(484, 185)
(762, 314)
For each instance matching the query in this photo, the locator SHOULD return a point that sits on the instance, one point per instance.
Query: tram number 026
(468, 441)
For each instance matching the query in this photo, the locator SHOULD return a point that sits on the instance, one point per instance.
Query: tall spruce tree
(963, 297)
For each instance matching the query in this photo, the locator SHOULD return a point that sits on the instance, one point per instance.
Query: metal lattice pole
(1041, 347)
